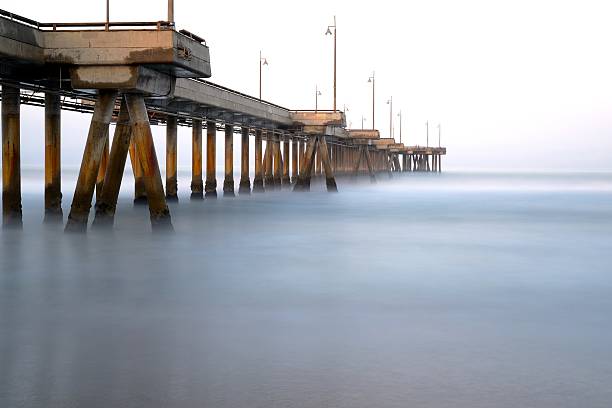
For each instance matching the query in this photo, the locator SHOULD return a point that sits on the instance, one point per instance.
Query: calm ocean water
(452, 290)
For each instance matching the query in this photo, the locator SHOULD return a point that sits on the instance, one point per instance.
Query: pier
(143, 74)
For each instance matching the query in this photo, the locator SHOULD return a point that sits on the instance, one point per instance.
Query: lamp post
(317, 94)
(106, 27)
(171, 11)
(262, 61)
(427, 128)
(363, 119)
(439, 134)
(329, 32)
(372, 80)
(390, 103)
(400, 120)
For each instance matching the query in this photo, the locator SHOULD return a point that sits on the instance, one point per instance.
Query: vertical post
(140, 194)
(286, 180)
(278, 163)
(268, 163)
(53, 176)
(211, 160)
(258, 182)
(103, 165)
(171, 11)
(228, 183)
(440, 164)
(294, 159)
(197, 188)
(143, 138)
(171, 159)
(11, 157)
(106, 204)
(96, 139)
(301, 151)
(303, 183)
(330, 180)
(245, 181)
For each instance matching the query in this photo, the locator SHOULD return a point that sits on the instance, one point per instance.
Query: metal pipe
(171, 11)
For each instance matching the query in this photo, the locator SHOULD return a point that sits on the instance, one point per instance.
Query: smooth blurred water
(452, 290)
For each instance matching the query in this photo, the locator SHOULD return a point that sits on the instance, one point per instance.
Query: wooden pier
(142, 74)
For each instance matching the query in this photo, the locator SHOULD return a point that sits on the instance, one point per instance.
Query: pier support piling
(307, 167)
(143, 138)
(140, 193)
(228, 182)
(53, 176)
(330, 180)
(245, 181)
(258, 181)
(286, 180)
(103, 165)
(210, 188)
(90, 164)
(11, 158)
(171, 159)
(197, 185)
(294, 160)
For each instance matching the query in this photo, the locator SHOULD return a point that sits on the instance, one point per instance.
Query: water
(453, 290)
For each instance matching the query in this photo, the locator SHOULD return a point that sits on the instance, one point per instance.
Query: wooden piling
(92, 155)
(197, 184)
(210, 188)
(228, 182)
(171, 159)
(11, 158)
(53, 176)
(258, 181)
(245, 182)
(143, 138)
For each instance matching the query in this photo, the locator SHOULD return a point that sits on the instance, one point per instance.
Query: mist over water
(428, 290)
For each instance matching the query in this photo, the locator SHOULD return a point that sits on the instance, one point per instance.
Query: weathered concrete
(228, 182)
(197, 183)
(83, 194)
(103, 165)
(211, 160)
(140, 193)
(11, 158)
(286, 180)
(245, 182)
(258, 181)
(171, 159)
(294, 160)
(53, 175)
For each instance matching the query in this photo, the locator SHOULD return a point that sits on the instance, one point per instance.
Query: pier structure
(140, 74)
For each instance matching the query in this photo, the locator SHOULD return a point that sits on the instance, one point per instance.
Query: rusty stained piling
(268, 163)
(286, 180)
(197, 185)
(210, 188)
(244, 188)
(106, 204)
(143, 138)
(90, 164)
(171, 159)
(330, 180)
(53, 176)
(228, 182)
(140, 194)
(258, 181)
(307, 167)
(278, 163)
(11, 158)
(103, 165)
(294, 160)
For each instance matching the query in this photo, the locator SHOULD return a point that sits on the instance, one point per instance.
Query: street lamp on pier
(262, 61)
(317, 94)
(390, 103)
(372, 80)
(400, 124)
(329, 32)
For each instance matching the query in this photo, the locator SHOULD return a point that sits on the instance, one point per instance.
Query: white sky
(516, 84)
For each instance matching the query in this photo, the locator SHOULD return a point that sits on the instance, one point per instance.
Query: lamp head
(328, 32)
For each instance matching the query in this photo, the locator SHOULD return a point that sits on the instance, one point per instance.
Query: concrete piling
(140, 193)
(143, 138)
(210, 188)
(269, 162)
(278, 163)
(197, 184)
(171, 159)
(103, 165)
(330, 180)
(286, 180)
(307, 167)
(86, 182)
(245, 182)
(11, 158)
(294, 160)
(258, 181)
(106, 204)
(53, 176)
(228, 182)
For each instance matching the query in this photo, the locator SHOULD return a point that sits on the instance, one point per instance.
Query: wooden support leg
(245, 181)
(81, 202)
(330, 180)
(210, 188)
(286, 180)
(171, 159)
(143, 138)
(106, 204)
(269, 162)
(53, 176)
(11, 158)
(140, 193)
(294, 160)
(303, 183)
(258, 181)
(228, 182)
(197, 184)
